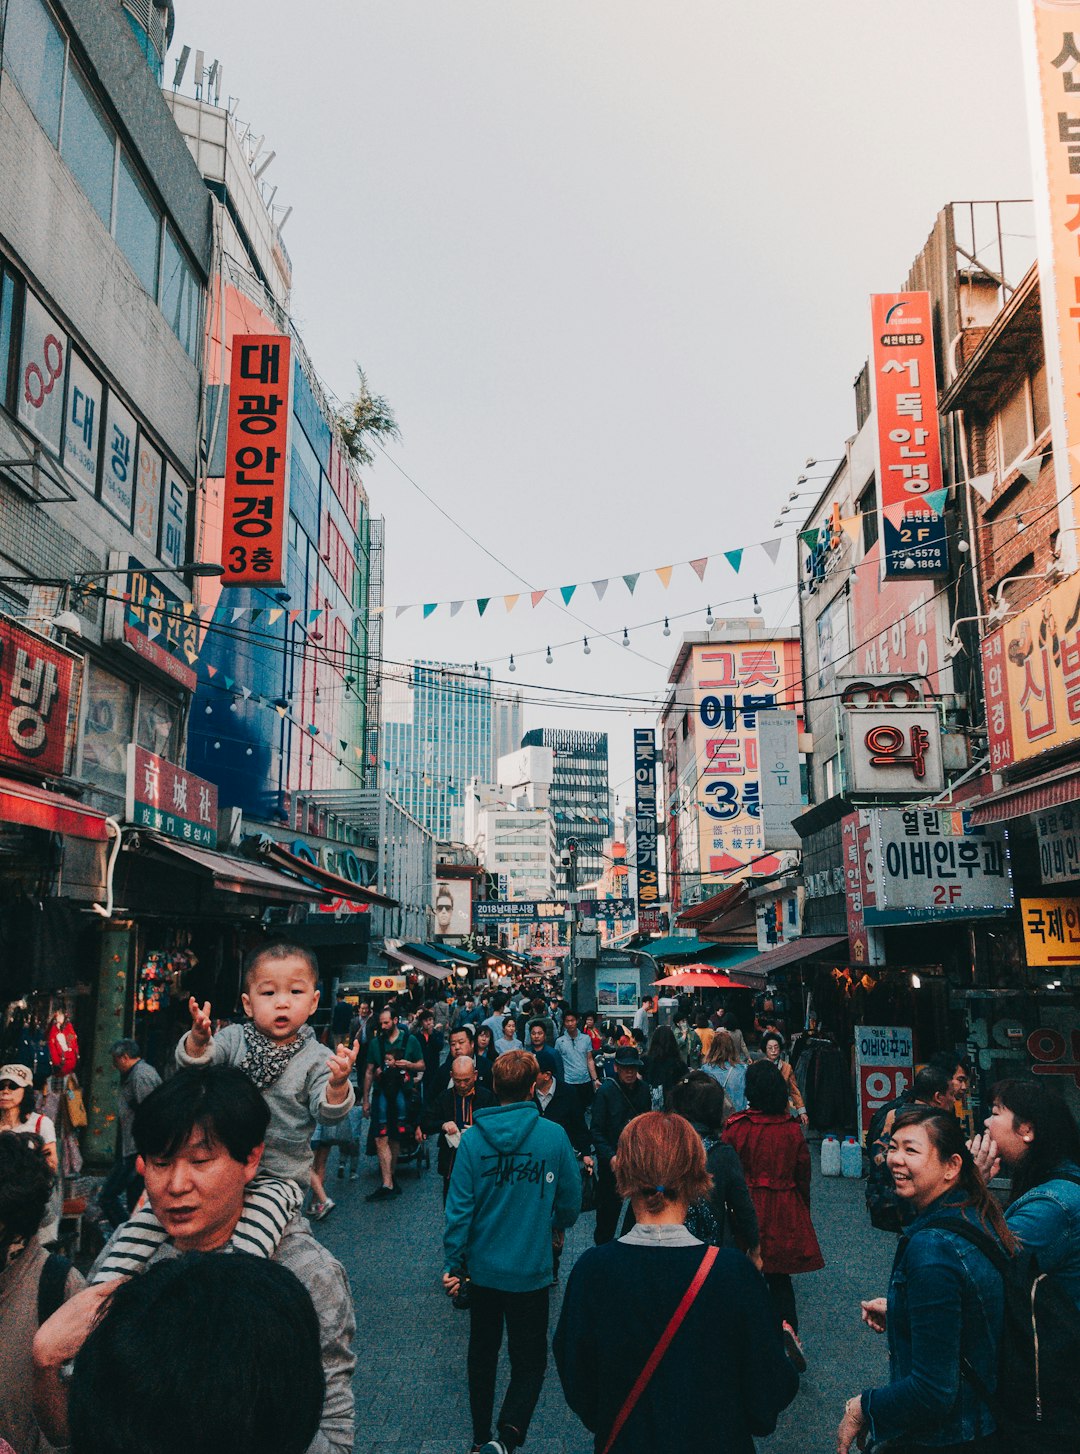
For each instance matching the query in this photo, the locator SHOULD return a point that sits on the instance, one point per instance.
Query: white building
(518, 845)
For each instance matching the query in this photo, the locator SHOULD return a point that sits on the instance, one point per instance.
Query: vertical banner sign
(647, 857)
(1051, 32)
(884, 1068)
(253, 532)
(910, 496)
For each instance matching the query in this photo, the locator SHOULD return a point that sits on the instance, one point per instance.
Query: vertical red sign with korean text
(37, 686)
(998, 712)
(910, 496)
(253, 532)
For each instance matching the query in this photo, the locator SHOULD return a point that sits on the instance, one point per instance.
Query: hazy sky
(609, 260)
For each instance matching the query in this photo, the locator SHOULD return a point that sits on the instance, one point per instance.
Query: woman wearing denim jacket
(945, 1301)
(1031, 1131)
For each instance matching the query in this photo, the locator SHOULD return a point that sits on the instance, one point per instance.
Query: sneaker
(379, 1194)
(794, 1349)
(319, 1210)
(494, 1446)
(397, 1189)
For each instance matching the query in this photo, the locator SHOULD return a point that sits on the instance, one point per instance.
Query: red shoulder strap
(661, 1348)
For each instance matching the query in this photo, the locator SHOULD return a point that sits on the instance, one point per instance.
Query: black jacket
(440, 1076)
(613, 1107)
(442, 1108)
(566, 1111)
(730, 1197)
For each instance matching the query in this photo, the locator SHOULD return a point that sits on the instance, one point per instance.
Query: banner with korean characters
(254, 527)
(520, 911)
(864, 944)
(39, 701)
(1051, 931)
(1031, 667)
(1057, 832)
(42, 368)
(170, 800)
(884, 1068)
(910, 494)
(152, 621)
(931, 864)
(646, 850)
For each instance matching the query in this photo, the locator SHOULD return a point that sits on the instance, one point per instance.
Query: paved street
(410, 1383)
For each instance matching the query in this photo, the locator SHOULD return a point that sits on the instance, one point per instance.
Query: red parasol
(699, 976)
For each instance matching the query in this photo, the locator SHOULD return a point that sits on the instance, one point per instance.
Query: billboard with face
(453, 907)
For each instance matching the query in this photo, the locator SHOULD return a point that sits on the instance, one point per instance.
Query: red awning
(343, 888)
(1051, 790)
(697, 977)
(38, 808)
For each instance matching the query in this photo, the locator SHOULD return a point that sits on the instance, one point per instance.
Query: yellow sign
(1031, 667)
(1051, 931)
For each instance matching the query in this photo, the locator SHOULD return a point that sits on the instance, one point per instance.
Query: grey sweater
(297, 1100)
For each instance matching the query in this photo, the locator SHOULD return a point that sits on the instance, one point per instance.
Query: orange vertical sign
(253, 532)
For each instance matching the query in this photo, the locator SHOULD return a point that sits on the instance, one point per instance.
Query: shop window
(88, 145)
(34, 48)
(138, 226)
(868, 512)
(180, 295)
(107, 731)
(158, 724)
(1014, 427)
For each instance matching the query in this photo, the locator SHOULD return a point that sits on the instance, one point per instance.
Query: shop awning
(409, 954)
(698, 976)
(757, 969)
(231, 875)
(333, 883)
(443, 954)
(676, 947)
(1051, 790)
(38, 808)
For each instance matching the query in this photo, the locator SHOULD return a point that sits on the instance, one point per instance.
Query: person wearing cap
(17, 1114)
(123, 1185)
(452, 1110)
(617, 1103)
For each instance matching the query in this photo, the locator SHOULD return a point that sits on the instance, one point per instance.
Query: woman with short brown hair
(690, 1329)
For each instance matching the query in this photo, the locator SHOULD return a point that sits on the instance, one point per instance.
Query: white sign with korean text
(82, 432)
(884, 1067)
(1057, 832)
(781, 786)
(174, 518)
(147, 494)
(41, 373)
(931, 865)
(894, 750)
(118, 468)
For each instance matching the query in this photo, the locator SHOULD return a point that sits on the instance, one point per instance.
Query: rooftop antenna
(259, 170)
(181, 66)
(200, 67)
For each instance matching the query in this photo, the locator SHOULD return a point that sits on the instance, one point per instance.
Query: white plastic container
(830, 1156)
(850, 1158)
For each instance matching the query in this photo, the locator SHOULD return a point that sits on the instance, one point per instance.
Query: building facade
(580, 795)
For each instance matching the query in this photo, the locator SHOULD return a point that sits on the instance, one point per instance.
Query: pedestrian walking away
(617, 1102)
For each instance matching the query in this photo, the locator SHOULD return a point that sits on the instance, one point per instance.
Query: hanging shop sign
(1057, 832)
(653, 919)
(894, 750)
(910, 499)
(169, 800)
(780, 778)
(1031, 667)
(884, 1068)
(1051, 931)
(386, 984)
(621, 911)
(510, 911)
(646, 850)
(149, 619)
(39, 689)
(254, 527)
(932, 865)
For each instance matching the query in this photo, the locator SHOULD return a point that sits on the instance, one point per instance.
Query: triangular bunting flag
(483, 603)
(229, 684)
(431, 605)
(400, 610)
(510, 602)
(275, 615)
(734, 559)
(632, 580)
(245, 692)
(238, 613)
(294, 616)
(537, 597)
(188, 608)
(313, 729)
(360, 752)
(1031, 468)
(280, 711)
(984, 485)
(455, 607)
(314, 614)
(698, 567)
(664, 572)
(153, 632)
(567, 594)
(895, 513)
(207, 612)
(600, 587)
(851, 526)
(256, 612)
(772, 548)
(936, 500)
(343, 745)
(211, 671)
(810, 537)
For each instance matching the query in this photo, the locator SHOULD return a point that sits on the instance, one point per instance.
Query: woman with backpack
(945, 1307)
(664, 1066)
(1031, 1132)
(726, 1217)
(724, 1065)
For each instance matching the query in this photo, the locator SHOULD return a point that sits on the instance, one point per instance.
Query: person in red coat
(63, 1045)
(776, 1162)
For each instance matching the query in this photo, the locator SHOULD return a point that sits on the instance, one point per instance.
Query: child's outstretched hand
(340, 1064)
(198, 1037)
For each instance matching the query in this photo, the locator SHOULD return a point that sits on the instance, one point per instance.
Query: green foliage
(366, 419)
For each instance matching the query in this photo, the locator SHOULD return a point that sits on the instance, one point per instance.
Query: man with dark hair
(33, 1283)
(617, 1102)
(431, 1046)
(137, 1079)
(574, 1050)
(559, 1104)
(200, 1139)
(514, 1190)
(341, 1019)
(394, 1058)
(957, 1076)
(494, 1021)
(462, 1042)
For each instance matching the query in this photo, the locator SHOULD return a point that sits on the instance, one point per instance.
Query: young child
(303, 1084)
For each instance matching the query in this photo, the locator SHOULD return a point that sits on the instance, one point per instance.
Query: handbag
(645, 1376)
(76, 1107)
(588, 1189)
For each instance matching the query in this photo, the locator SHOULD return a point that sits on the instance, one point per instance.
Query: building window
(89, 145)
(138, 226)
(34, 49)
(868, 512)
(180, 296)
(7, 319)
(1014, 427)
(1040, 401)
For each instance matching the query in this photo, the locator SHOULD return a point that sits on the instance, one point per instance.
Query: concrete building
(580, 793)
(507, 721)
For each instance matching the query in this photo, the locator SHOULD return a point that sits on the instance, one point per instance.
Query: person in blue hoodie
(514, 1190)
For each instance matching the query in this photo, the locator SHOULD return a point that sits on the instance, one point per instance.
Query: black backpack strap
(51, 1286)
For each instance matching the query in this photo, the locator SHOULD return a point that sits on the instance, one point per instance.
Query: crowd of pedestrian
(689, 1149)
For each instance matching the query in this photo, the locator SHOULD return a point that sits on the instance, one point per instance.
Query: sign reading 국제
(253, 532)
(170, 800)
(37, 685)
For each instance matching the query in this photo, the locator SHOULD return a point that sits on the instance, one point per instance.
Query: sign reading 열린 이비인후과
(931, 865)
(169, 800)
(1057, 832)
(39, 684)
(910, 497)
(255, 517)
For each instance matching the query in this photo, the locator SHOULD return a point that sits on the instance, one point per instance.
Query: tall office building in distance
(580, 796)
(436, 737)
(507, 721)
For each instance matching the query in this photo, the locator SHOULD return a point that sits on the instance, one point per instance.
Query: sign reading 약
(170, 800)
(894, 750)
(1051, 931)
(909, 445)
(930, 865)
(646, 853)
(884, 1068)
(38, 686)
(253, 534)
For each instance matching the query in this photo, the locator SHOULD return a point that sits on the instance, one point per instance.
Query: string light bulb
(1020, 526)
(709, 617)
(549, 658)
(588, 648)
(757, 607)
(512, 666)
(625, 637)
(217, 746)
(667, 627)
(232, 705)
(248, 751)
(963, 547)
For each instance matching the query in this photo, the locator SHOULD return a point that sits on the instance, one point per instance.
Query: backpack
(701, 1220)
(1036, 1402)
